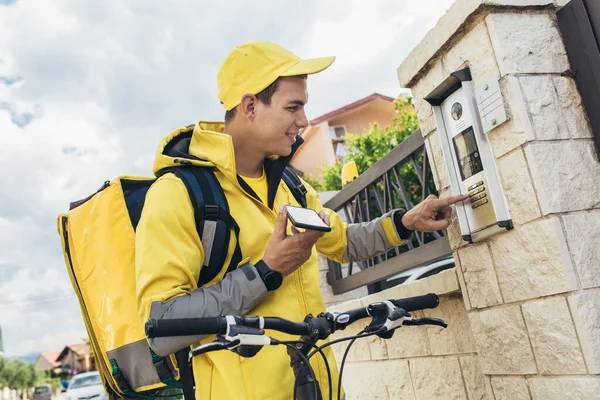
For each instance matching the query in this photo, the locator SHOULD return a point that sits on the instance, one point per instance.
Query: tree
(18, 374)
(368, 148)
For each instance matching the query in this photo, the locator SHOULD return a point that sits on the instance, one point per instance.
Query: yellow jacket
(169, 256)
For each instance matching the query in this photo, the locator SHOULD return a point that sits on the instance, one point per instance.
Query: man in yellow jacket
(263, 89)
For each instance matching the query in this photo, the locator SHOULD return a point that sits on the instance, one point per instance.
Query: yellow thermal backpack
(98, 241)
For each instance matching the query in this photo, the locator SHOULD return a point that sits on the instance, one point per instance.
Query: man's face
(275, 126)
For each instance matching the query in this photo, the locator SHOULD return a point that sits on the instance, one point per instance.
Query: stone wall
(417, 362)
(523, 306)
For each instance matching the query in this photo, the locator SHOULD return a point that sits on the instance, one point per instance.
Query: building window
(337, 134)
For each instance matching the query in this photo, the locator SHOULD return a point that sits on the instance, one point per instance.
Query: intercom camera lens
(456, 111)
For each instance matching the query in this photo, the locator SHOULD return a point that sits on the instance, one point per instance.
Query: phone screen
(306, 218)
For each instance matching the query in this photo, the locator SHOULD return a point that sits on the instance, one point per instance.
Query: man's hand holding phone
(286, 253)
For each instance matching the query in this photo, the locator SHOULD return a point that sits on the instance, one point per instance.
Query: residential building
(324, 137)
(47, 362)
(76, 358)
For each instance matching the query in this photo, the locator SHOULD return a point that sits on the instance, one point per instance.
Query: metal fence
(401, 179)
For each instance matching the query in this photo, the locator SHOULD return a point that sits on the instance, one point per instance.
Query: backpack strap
(295, 184)
(213, 220)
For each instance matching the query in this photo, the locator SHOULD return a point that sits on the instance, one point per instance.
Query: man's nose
(302, 121)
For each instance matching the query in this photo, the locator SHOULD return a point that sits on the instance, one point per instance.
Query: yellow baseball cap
(252, 67)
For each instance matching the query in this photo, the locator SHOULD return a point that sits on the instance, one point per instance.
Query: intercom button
(479, 203)
(474, 192)
(473, 186)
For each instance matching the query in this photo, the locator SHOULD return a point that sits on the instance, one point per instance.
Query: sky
(88, 88)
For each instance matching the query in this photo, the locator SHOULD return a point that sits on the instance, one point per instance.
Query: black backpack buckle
(211, 212)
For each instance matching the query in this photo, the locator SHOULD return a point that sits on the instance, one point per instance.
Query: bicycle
(245, 335)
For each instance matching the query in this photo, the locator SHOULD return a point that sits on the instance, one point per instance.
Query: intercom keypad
(476, 191)
(480, 203)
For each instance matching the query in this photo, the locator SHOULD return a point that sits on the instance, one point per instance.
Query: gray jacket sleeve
(236, 294)
(367, 239)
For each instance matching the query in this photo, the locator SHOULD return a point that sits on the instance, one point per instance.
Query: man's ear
(248, 105)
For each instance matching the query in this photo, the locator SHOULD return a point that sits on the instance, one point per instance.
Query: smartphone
(306, 218)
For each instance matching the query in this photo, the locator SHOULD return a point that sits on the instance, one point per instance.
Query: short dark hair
(264, 97)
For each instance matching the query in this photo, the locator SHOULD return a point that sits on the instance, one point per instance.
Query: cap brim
(309, 66)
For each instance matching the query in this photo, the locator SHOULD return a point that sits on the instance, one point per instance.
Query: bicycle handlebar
(218, 325)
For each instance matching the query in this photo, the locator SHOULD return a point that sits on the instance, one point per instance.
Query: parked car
(414, 274)
(43, 392)
(86, 386)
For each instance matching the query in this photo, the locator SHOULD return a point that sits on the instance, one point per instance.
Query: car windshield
(83, 381)
(42, 389)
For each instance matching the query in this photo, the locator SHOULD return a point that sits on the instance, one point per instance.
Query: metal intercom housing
(464, 116)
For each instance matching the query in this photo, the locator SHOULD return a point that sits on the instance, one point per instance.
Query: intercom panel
(469, 158)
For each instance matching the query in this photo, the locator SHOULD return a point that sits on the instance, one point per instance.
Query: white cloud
(103, 81)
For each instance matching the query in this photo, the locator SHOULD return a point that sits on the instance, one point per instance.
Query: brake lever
(426, 321)
(219, 344)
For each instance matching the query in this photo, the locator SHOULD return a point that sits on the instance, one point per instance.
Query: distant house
(47, 362)
(324, 137)
(76, 358)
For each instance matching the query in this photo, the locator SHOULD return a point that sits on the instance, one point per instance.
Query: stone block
(409, 341)
(423, 87)
(526, 43)
(436, 154)
(553, 337)
(529, 262)
(473, 377)
(587, 388)
(462, 283)
(371, 380)
(518, 188)
(545, 110)
(510, 388)
(502, 341)
(475, 50)
(480, 277)
(437, 378)
(584, 308)
(572, 108)
(457, 338)
(583, 236)
(565, 175)
(512, 133)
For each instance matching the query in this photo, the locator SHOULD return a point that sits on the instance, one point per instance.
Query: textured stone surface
(545, 110)
(409, 342)
(447, 26)
(572, 109)
(372, 380)
(553, 337)
(583, 236)
(518, 188)
(529, 262)
(565, 175)
(480, 277)
(474, 49)
(502, 342)
(461, 281)
(584, 388)
(510, 134)
(473, 377)
(526, 43)
(437, 378)
(442, 283)
(457, 337)
(442, 180)
(424, 86)
(584, 308)
(510, 388)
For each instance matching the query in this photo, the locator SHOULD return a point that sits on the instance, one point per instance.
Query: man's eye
(293, 109)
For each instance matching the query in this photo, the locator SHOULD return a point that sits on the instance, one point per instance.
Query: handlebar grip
(430, 300)
(185, 327)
